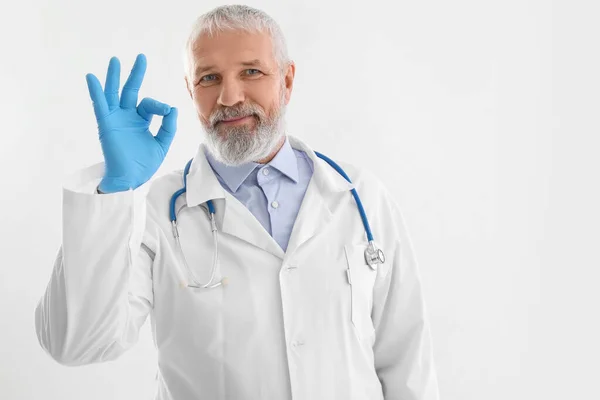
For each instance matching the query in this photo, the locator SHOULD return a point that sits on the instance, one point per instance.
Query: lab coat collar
(328, 179)
(203, 185)
(324, 196)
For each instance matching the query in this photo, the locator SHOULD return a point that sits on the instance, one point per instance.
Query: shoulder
(366, 182)
(381, 207)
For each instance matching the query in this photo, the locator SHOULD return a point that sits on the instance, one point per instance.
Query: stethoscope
(373, 255)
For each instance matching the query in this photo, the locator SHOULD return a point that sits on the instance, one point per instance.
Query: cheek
(270, 104)
(203, 107)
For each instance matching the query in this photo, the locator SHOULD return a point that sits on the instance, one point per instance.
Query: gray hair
(237, 17)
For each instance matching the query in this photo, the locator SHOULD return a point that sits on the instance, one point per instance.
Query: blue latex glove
(132, 154)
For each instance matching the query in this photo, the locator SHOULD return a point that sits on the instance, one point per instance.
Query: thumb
(167, 130)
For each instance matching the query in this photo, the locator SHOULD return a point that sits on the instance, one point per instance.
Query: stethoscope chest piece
(374, 256)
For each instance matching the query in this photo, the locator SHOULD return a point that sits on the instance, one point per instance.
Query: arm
(403, 350)
(100, 290)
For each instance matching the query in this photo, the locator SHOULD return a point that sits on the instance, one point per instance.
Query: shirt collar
(203, 184)
(233, 176)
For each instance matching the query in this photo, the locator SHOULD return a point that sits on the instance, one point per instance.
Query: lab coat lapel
(232, 217)
(313, 216)
(238, 221)
(327, 191)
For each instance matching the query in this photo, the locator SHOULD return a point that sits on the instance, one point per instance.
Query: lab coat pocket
(362, 279)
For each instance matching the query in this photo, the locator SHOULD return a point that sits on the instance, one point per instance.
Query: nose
(231, 93)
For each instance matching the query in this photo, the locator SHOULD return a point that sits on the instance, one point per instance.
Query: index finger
(97, 96)
(129, 94)
(111, 88)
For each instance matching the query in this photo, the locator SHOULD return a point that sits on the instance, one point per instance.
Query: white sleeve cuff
(86, 181)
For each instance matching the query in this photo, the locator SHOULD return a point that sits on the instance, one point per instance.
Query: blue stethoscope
(373, 255)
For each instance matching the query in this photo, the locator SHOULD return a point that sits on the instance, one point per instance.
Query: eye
(203, 80)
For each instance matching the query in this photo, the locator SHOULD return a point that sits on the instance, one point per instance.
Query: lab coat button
(297, 343)
(291, 267)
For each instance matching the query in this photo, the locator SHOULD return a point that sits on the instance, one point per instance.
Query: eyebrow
(251, 63)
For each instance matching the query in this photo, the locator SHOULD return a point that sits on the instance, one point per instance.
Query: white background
(480, 116)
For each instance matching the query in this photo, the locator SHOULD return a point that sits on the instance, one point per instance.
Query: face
(239, 95)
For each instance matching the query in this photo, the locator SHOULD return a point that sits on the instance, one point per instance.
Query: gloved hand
(132, 154)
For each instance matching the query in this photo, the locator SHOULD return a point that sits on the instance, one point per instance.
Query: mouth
(238, 120)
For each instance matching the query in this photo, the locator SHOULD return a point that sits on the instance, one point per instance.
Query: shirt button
(275, 204)
(265, 171)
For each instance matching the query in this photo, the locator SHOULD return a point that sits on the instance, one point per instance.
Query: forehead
(231, 48)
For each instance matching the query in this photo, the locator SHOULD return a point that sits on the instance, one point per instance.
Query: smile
(237, 120)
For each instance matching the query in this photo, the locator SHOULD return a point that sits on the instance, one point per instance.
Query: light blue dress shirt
(272, 192)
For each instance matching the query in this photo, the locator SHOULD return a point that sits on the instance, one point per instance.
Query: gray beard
(239, 144)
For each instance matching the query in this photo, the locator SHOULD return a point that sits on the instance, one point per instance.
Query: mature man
(278, 299)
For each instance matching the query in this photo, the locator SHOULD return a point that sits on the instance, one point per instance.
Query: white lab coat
(287, 326)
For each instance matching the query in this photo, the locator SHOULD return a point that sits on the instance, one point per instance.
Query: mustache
(228, 113)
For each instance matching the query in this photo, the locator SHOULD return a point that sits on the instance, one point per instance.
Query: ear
(187, 86)
(289, 81)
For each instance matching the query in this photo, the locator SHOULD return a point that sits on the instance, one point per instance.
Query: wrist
(113, 185)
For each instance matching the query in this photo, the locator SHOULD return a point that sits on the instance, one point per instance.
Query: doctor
(293, 310)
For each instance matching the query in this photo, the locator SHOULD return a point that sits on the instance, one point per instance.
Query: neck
(274, 152)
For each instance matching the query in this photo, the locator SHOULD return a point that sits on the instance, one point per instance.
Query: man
(296, 312)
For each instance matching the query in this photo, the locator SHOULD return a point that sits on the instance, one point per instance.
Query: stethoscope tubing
(373, 255)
